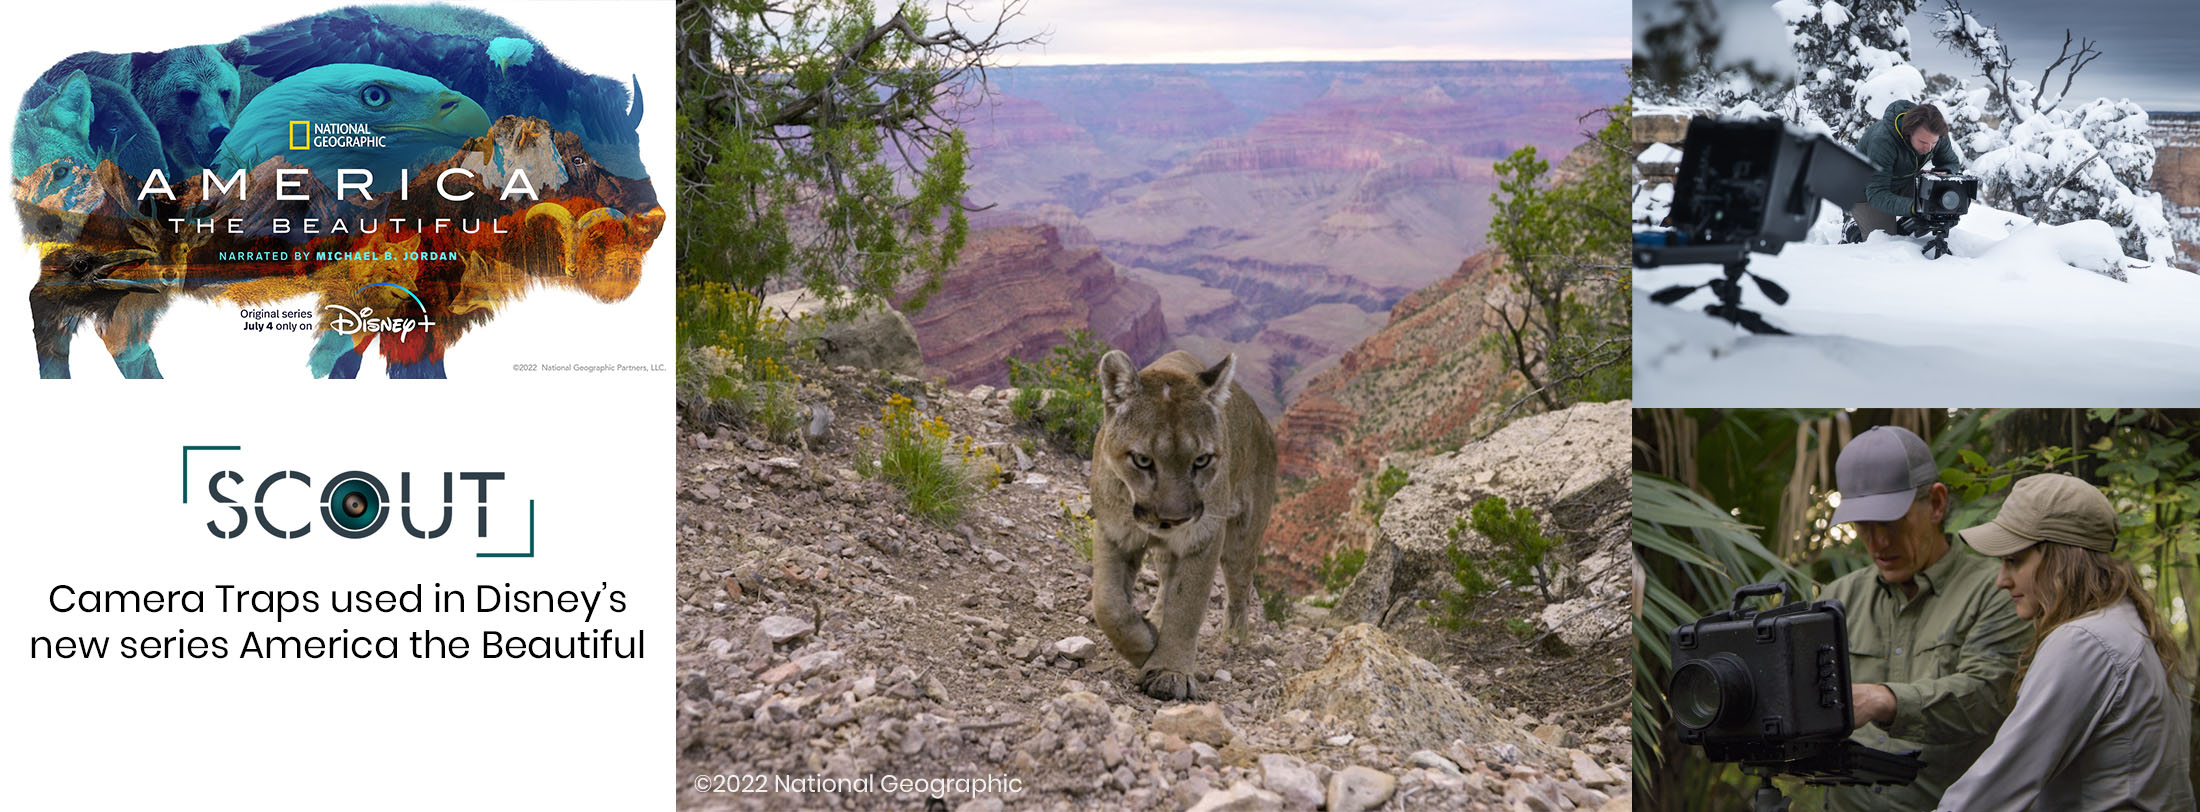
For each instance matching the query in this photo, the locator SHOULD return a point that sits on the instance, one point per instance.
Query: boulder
(1200, 723)
(1357, 789)
(1240, 797)
(864, 335)
(1289, 778)
(1570, 467)
(1399, 700)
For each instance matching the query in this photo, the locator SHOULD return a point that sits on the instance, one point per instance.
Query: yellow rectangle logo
(301, 135)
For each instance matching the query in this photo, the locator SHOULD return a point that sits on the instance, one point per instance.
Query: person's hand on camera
(1872, 703)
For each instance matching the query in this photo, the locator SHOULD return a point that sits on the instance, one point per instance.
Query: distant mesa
(1275, 210)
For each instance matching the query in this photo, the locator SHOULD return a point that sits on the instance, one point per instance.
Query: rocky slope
(1264, 191)
(2176, 138)
(1419, 382)
(824, 632)
(1017, 290)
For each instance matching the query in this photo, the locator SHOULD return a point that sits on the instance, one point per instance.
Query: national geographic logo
(352, 504)
(308, 135)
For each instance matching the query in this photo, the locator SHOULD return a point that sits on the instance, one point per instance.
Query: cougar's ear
(1217, 380)
(1118, 382)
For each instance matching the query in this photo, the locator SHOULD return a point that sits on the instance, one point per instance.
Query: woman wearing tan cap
(2101, 719)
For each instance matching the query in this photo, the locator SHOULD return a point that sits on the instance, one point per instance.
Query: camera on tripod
(1743, 186)
(1770, 689)
(1938, 203)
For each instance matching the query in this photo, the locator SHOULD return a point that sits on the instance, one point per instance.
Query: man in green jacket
(1906, 138)
(1933, 644)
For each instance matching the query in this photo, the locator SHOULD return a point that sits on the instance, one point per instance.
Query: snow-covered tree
(1852, 59)
(2051, 164)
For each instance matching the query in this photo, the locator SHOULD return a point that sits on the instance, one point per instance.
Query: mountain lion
(1184, 468)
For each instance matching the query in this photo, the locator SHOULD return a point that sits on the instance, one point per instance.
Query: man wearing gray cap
(2101, 720)
(1933, 644)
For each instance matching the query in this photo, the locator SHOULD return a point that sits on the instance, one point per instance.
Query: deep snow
(2019, 315)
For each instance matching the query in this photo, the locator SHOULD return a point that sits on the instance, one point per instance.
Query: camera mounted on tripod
(1939, 201)
(1747, 185)
(1770, 689)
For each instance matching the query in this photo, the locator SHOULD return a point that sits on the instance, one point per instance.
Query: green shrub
(716, 315)
(1275, 604)
(1077, 530)
(1456, 610)
(1071, 371)
(921, 455)
(1387, 485)
(778, 413)
(733, 359)
(1338, 568)
(1518, 541)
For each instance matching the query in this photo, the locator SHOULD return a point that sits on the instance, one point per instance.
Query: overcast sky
(1148, 31)
(2149, 52)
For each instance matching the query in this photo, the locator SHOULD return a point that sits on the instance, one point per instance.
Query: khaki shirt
(2098, 726)
(1947, 655)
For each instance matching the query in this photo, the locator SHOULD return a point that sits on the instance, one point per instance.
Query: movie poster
(396, 191)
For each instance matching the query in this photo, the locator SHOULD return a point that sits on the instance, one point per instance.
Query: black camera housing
(1757, 183)
(1769, 686)
(1944, 196)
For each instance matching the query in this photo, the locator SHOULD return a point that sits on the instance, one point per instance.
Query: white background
(93, 488)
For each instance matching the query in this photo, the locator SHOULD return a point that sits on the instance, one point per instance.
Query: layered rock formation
(1418, 382)
(1266, 190)
(1016, 290)
(2176, 138)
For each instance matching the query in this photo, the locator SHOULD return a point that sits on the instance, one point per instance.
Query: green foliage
(733, 359)
(1071, 372)
(1694, 554)
(817, 142)
(1275, 604)
(711, 314)
(1565, 247)
(1520, 628)
(1518, 541)
(1386, 485)
(1078, 531)
(938, 471)
(1338, 568)
(1455, 607)
(1696, 545)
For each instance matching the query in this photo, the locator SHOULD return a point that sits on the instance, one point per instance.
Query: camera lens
(1695, 696)
(1705, 692)
(354, 505)
(1950, 199)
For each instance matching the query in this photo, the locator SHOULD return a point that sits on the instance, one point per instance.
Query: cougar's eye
(1202, 460)
(1142, 461)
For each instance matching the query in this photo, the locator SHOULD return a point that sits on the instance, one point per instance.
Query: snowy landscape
(2018, 315)
(2063, 287)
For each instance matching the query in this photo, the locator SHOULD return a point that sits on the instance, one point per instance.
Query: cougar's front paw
(1168, 684)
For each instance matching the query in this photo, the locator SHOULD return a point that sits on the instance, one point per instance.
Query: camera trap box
(1757, 182)
(1945, 196)
(1763, 686)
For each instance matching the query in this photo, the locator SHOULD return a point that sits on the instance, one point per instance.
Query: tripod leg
(1729, 306)
(1769, 798)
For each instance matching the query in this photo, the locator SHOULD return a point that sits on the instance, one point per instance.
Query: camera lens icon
(1710, 692)
(353, 504)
